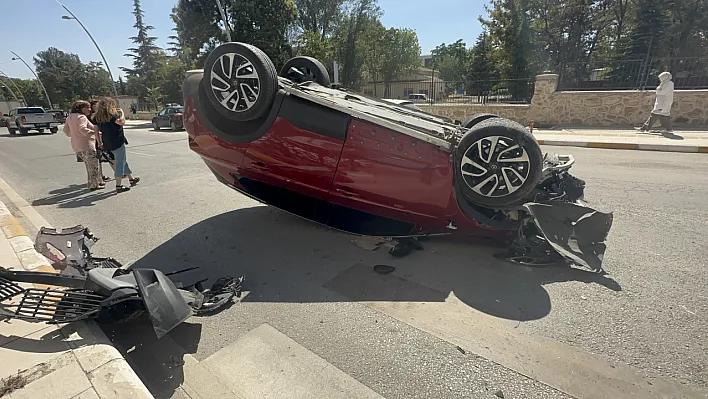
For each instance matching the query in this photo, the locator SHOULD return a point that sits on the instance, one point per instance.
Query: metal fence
(640, 74)
(509, 91)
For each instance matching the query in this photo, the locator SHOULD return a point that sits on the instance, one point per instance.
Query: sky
(111, 24)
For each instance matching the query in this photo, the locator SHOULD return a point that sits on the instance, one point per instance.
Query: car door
(161, 118)
(391, 175)
(295, 161)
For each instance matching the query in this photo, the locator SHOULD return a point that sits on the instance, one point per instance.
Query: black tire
(24, 131)
(155, 126)
(41, 130)
(266, 76)
(12, 131)
(311, 67)
(173, 126)
(469, 122)
(54, 130)
(494, 171)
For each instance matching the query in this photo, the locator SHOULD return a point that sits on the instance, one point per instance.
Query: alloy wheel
(235, 82)
(495, 166)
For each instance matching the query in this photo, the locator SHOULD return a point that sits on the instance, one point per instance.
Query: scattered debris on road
(102, 288)
(384, 269)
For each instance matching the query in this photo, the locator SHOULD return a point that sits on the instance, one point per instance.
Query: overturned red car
(373, 168)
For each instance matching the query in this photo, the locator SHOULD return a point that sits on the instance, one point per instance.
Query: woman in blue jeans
(110, 121)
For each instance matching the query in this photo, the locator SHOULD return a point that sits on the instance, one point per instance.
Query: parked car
(25, 119)
(418, 97)
(61, 115)
(170, 116)
(402, 103)
(371, 168)
(3, 120)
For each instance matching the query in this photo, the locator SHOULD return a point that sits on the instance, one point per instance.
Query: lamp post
(223, 17)
(110, 74)
(17, 57)
(15, 86)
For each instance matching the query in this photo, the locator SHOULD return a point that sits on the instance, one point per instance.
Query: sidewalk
(624, 139)
(55, 361)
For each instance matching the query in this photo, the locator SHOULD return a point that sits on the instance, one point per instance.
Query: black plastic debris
(384, 269)
(499, 394)
(404, 247)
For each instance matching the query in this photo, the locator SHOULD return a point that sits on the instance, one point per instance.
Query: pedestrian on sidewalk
(662, 105)
(111, 120)
(83, 141)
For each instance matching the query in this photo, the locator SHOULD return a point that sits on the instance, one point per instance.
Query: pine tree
(148, 59)
(482, 71)
(645, 40)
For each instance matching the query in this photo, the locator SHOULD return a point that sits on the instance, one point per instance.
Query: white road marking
(141, 153)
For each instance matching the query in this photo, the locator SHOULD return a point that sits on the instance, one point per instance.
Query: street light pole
(15, 85)
(17, 57)
(223, 17)
(110, 74)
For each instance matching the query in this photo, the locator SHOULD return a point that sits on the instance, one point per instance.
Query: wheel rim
(495, 166)
(235, 82)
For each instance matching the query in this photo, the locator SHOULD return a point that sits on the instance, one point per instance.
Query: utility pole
(17, 57)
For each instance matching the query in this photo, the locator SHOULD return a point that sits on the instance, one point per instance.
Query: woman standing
(83, 141)
(110, 120)
(102, 154)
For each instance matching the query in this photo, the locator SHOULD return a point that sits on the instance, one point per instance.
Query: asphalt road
(451, 322)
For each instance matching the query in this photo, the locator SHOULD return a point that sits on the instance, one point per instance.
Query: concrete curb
(108, 372)
(626, 146)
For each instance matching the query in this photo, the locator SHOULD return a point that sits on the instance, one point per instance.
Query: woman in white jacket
(662, 105)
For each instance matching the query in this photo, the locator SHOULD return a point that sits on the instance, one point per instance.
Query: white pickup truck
(31, 118)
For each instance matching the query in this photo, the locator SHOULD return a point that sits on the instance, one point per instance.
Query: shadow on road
(280, 253)
(288, 259)
(657, 133)
(73, 196)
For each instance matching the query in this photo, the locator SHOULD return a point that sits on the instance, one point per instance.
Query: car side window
(163, 112)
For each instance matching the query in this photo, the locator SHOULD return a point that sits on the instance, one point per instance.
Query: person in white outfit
(662, 105)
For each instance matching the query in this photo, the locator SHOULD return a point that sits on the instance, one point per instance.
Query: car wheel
(497, 163)
(12, 131)
(54, 130)
(311, 70)
(240, 81)
(155, 126)
(476, 118)
(24, 131)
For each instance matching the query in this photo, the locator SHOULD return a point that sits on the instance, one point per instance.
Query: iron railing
(638, 74)
(507, 91)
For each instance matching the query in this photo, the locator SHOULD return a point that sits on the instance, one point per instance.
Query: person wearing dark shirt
(103, 155)
(110, 120)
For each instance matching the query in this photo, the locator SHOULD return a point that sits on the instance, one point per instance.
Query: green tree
(263, 23)
(148, 59)
(482, 72)
(311, 44)
(319, 16)
(451, 61)
(32, 92)
(350, 40)
(512, 41)
(62, 75)
(400, 55)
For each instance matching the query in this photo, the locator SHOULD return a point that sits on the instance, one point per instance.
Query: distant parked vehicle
(402, 103)
(418, 97)
(170, 116)
(25, 119)
(61, 115)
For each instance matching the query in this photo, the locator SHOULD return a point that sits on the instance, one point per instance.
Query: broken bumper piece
(560, 232)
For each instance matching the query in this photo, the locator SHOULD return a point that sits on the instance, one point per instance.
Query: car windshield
(33, 110)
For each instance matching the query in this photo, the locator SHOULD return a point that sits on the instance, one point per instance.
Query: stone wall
(550, 107)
